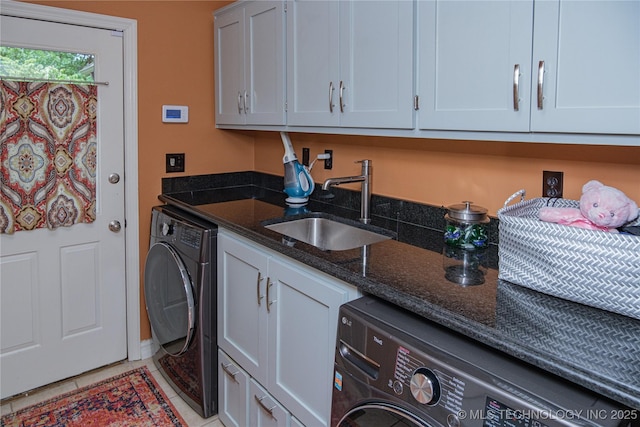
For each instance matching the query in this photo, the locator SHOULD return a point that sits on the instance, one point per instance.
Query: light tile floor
(192, 418)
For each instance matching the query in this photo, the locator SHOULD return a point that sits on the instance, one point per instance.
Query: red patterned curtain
(48, 155)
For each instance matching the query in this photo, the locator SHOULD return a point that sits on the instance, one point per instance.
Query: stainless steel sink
(329, 234)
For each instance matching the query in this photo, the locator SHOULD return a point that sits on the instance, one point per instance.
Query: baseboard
(147, 349)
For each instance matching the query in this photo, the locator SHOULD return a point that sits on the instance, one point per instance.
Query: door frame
(129, 28)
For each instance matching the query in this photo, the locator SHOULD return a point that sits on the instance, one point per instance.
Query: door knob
(114, 178)
(115, 226)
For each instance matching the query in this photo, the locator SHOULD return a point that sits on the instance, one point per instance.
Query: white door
(264, 63)
(474, 64)
(242, 290)
(376, 64)
(229, 73)
(350, 63)
(312, 63)
(63, 308)
(303, 319)
(586, 62)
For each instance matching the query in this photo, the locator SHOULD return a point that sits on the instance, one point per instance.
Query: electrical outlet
(305, 156)
(552, 184)
(328, 163)
(175, 162)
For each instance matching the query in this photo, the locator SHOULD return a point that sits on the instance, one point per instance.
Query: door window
(23, 63)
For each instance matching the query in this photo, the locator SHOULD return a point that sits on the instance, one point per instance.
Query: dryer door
(169, 297)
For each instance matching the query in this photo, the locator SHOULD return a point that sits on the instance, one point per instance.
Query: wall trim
(129, 28)
(147, 349)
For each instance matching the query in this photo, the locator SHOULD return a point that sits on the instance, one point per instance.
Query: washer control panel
(387, 354)
(421, 380)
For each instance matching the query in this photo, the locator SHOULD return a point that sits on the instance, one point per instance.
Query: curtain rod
(29, 79)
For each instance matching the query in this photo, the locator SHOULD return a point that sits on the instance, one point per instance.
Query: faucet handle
(366, 161)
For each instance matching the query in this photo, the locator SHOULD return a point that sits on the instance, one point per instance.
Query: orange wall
(175, 40)
(441, 172)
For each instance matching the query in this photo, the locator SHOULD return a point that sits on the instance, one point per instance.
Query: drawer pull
(268, 410)
(342, 88)
(227, 370)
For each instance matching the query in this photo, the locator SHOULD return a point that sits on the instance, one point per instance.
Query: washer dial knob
(166, 229)
(425, 387)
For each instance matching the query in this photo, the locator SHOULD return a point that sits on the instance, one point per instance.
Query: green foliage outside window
(45, 64)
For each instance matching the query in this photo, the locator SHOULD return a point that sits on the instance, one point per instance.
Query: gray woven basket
(594, 268)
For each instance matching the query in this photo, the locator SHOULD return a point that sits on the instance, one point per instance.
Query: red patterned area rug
(130, 399)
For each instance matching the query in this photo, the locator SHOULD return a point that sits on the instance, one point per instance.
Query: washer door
(169, 297)
(380, 414)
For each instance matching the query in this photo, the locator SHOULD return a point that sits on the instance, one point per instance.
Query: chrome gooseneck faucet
(365, 179)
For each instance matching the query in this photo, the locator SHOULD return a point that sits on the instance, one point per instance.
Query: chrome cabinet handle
(265, 407)
(245, 102)
(228, 371)
(331, 97)
(239, 101)
(269, 301)
(258, 289)
(540, 83)
(341, 98)
(516, 87)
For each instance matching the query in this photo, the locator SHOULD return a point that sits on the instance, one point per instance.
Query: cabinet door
(264, 63)
(471, 53)
(376, 64)
(233, 386)
(303, 316)
(264, 411)
(229, 66)
(591, 54)
(242, 326)
(312, 63)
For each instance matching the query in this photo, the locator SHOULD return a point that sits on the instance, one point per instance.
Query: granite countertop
(590, 347)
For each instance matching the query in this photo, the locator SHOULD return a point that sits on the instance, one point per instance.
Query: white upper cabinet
(490, 66)
(590, 55)
(249, 64)
(474, 62)
(350, 63)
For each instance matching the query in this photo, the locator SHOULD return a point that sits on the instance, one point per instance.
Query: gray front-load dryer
(180, 294)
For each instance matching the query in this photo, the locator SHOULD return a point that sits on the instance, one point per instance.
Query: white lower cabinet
(243, 402)
(277, 322)
(233, 389)
(264, 411)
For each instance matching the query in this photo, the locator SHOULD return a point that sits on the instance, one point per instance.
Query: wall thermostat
(175, 113)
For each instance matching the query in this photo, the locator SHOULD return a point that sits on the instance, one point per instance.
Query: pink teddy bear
(601, 208)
